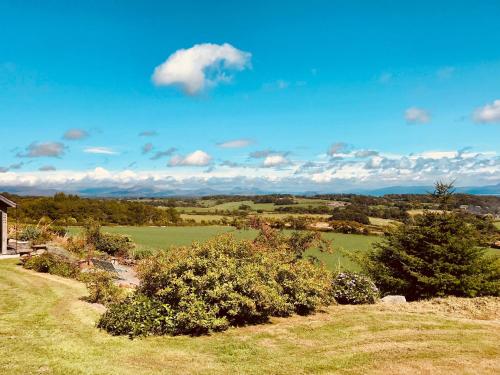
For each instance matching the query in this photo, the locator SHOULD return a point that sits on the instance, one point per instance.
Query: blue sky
(316, 95)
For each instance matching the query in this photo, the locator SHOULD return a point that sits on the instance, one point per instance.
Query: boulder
(393, 299)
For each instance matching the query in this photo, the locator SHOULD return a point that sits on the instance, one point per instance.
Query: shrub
(348, 227)
(30, 233)
(101, 287)
(57, 230)
(350, 213)
(434, 256)
(349, 288)
(220, 283)
(53, 264)
(114, 244)
(109, 243)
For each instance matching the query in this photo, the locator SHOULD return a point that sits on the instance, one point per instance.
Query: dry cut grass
(45, 328)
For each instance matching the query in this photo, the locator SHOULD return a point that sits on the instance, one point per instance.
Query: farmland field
(210, 206)
(163, 238)
(46, 329)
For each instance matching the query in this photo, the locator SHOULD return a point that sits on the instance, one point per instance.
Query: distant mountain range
(115, 192)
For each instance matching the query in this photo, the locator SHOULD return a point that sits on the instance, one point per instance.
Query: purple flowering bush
(350, 288)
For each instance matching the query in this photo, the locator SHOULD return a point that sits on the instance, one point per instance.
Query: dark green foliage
(443, 194)
(101, 287)
(138, 315)
(220, 283)
(67, 209)
(435, 255)
(350, 213)
(349, 288)
(53, 264)
(348, 227)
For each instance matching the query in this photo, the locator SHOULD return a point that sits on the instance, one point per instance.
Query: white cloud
(100, 150)
(275, 161)
(201, 66)
(235, 143)
(488, 113)
(468, 168)
(415, 115)
(198, 158)
(436, 154)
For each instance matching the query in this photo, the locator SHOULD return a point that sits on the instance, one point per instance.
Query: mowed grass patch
(164, 238)
(46, 328)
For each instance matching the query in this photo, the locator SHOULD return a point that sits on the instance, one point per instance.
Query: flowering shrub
(350, 288)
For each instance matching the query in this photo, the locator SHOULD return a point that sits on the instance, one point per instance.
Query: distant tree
(443, 193)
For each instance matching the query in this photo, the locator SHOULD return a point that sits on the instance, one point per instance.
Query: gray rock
(393, 299)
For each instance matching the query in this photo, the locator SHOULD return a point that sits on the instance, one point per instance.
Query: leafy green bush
(114, 244)
(435, 255)
(109, 243)
(53, 264)
(220, 283)
(30, 233)
(349, 288)
(101, 287)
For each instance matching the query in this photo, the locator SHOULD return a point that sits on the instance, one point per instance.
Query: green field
(163, 238)
(210, 206)
(46, 329)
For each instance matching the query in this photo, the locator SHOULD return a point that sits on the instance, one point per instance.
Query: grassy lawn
(163, 238)
(46, 329)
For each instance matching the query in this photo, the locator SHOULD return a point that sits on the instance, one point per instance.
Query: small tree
(435, 255)
(443, 193)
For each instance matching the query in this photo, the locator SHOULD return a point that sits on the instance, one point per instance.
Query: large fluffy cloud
(488, 113)
(198, 158)
(415, 115)
(200, 66)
